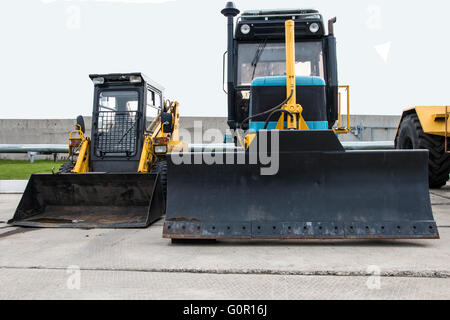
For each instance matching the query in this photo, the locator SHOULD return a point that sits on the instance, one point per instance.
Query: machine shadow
(308, 243)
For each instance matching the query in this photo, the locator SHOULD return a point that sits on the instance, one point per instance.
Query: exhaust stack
(230, 11)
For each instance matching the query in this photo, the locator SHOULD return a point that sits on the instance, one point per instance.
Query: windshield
(269, 59)
(117, 118)
(118, 101)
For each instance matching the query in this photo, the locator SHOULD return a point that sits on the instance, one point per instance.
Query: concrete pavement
(41, 263)
(53, 284)
(12, 186)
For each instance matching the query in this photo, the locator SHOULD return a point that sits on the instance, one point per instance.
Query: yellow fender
(432, 119)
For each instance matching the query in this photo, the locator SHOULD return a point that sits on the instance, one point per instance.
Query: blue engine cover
(267, 92)
(280, 81)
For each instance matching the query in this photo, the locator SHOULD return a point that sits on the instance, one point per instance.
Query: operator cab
(257, 79)
(123, 106)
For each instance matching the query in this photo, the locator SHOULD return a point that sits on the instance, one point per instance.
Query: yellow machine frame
(157, 137)
(80, 147)
(433, 119)
(298, 122)
(154, 137)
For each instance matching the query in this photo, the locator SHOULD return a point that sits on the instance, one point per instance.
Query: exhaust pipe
(230, 11)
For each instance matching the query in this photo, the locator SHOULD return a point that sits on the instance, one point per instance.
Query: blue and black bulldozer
(290, 177)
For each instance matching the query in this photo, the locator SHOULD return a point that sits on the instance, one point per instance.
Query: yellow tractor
(116, 178)
(428, 128)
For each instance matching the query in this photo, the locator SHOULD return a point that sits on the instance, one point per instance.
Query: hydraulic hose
(270, 110)
(277, 111)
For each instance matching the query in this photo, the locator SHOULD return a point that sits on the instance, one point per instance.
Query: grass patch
(21, 170)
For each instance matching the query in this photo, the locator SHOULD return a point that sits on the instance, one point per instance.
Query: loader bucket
(320, 191)
(93, 200)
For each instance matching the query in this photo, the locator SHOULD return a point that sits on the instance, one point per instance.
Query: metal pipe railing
(347, 128)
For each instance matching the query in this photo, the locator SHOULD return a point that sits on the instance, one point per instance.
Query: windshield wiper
(257, 56)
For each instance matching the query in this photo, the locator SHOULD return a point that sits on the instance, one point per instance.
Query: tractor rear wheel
(411, 136)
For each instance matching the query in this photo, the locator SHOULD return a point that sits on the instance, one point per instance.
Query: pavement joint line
(439, 195)
(386, 274)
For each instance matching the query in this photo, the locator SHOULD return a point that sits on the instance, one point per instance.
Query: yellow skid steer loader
(117, 178)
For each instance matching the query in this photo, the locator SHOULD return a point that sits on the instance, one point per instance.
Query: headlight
(245, 29)
(135, 79)
(160, 149)
(314, 27)
(99, 80)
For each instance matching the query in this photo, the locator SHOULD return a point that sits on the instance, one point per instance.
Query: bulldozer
(117, 178)
(428, 128)
(290, 177)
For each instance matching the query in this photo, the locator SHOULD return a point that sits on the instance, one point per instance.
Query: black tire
(411, 136)
(161, 168)
(66, 167)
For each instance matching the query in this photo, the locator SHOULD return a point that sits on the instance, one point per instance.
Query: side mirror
(80, 124)
(167, 122)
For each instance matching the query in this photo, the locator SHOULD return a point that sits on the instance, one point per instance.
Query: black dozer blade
(92, 200)
(320, 192)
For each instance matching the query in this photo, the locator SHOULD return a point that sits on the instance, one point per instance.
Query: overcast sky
(393, 54)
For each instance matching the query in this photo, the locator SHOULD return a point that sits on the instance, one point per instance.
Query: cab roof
(125, 77)
(274, 13)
